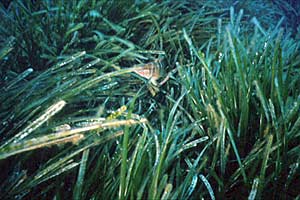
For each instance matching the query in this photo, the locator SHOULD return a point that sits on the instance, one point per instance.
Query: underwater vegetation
(149, 100)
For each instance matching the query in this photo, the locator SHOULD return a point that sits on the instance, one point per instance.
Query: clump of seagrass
(80, 78)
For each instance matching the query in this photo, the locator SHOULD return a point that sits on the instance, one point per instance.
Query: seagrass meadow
(150, 99)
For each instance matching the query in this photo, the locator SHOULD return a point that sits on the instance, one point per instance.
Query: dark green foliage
(76, 122)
